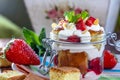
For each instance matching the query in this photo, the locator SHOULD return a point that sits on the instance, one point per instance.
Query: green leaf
(35, 41)
(84, 14)
(42, 35)
(30, 36)
(70, 16)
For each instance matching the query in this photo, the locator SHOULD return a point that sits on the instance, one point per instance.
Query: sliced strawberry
(55, 60)
(96, 65)
(19, 52)
(90, 21)
(73, 38)
(80, 25)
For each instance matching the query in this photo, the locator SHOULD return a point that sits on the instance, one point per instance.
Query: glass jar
(86, 56)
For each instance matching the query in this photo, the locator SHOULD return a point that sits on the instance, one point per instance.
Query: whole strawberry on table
(27, 51)
(110, 60)
(19, 52)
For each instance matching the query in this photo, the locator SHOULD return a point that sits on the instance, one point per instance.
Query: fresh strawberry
(90, 21)
(17, 51)
(80, 25)
(109, 60)
(96, 65)
(55, 60)
(73, 38)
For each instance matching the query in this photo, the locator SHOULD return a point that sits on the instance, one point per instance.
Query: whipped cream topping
(57, 27)
(64, 34)
(91, 50)
(53, 36)
(70, 26)
(95, 28)
(84, 37)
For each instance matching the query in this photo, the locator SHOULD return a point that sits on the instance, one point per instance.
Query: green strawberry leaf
(30, 36)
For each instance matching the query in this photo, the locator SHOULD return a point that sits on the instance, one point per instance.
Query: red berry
(96, 65)
(80, 25)
(73, 38)
(109, 60)
(21, 53)
(90, 21)
(55, 60)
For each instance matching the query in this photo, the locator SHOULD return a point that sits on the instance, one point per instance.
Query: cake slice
(12, 75)
(75, 59)
(4, 62)
(64, 73)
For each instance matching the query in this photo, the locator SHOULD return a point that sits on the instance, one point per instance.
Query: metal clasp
(43, 68)
(112, 40)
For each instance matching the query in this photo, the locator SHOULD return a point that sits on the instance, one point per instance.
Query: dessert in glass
(79, 42)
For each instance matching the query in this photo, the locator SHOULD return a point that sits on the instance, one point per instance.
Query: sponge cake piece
(3, 61)
(64, 73)
(12, 75)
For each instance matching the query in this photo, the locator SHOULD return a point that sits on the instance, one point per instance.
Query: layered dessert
(79, 41)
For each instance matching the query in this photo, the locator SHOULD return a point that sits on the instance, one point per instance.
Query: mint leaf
(70, 16)
(84, 14)
(30, 36)
(76, 17)
(42, 35)
(34, 40)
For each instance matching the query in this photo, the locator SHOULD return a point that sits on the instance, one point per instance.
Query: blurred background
(15, 11)
(34, 14)
(13, 17)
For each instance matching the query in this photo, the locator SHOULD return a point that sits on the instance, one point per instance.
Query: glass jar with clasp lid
(86, 56)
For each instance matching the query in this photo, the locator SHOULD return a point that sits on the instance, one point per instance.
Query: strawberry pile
(19, 52)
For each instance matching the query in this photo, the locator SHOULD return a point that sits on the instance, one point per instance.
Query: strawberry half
(90, 21)
(19, 52)
(73, 38)
(55, 60)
